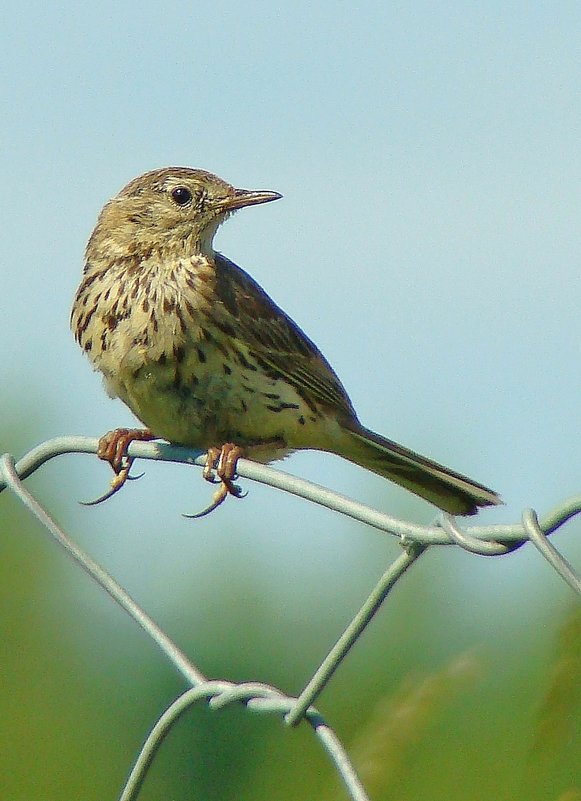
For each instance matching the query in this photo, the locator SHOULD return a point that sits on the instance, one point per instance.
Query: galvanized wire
(405, 531)
(257, 697)
(548, 550)
(489, 540)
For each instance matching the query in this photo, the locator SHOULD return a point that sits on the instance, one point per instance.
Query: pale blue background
(428, 241)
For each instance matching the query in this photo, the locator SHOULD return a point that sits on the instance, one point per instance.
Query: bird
(204, 358)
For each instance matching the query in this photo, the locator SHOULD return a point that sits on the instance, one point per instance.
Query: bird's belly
(201, 403)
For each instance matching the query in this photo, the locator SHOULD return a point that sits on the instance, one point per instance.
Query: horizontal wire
(408, 532)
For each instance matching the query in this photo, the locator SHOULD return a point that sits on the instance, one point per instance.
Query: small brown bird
(203, 356)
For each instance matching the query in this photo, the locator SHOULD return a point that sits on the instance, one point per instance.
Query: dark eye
(181, 195)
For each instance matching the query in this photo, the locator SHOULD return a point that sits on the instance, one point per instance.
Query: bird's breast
(151, 332)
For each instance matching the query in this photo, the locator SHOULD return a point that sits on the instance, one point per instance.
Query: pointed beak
(247, 197)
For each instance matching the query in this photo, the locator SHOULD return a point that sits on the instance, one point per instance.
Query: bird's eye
(181, 195)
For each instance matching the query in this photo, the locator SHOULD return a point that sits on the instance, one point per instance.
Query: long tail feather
(443, 487)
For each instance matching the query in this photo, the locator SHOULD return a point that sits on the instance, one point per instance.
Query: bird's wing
(274, 339)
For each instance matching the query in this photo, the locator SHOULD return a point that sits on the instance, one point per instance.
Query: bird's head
(176, 209)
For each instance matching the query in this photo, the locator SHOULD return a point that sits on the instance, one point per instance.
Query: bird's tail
(445, 488)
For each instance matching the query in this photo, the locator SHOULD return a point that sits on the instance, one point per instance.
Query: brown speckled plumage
(203, 356)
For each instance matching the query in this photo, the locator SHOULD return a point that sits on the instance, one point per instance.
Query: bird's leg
(113, 445)
(212, 459)
(221, 466)
(112, 448)
(226, 468)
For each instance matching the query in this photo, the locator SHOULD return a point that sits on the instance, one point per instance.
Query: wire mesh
(258, 697)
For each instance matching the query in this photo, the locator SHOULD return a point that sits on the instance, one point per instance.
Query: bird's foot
(221, 467)
(113, 449)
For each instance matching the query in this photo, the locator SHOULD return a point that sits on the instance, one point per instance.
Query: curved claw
(219, 498)
(135, 478)
(227, 488)
(116, 485)
(117, 482)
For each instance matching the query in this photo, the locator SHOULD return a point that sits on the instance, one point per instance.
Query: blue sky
(428, 239)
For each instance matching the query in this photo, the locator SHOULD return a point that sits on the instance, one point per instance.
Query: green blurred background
(429, 242)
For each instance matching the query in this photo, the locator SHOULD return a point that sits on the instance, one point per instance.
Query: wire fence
(262, 698)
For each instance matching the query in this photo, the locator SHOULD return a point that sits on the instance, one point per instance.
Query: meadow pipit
(203, 356)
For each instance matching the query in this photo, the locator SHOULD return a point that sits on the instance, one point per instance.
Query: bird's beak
(247, 197)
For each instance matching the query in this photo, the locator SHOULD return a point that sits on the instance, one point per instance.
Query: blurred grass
(422, 716)
(384, 748)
